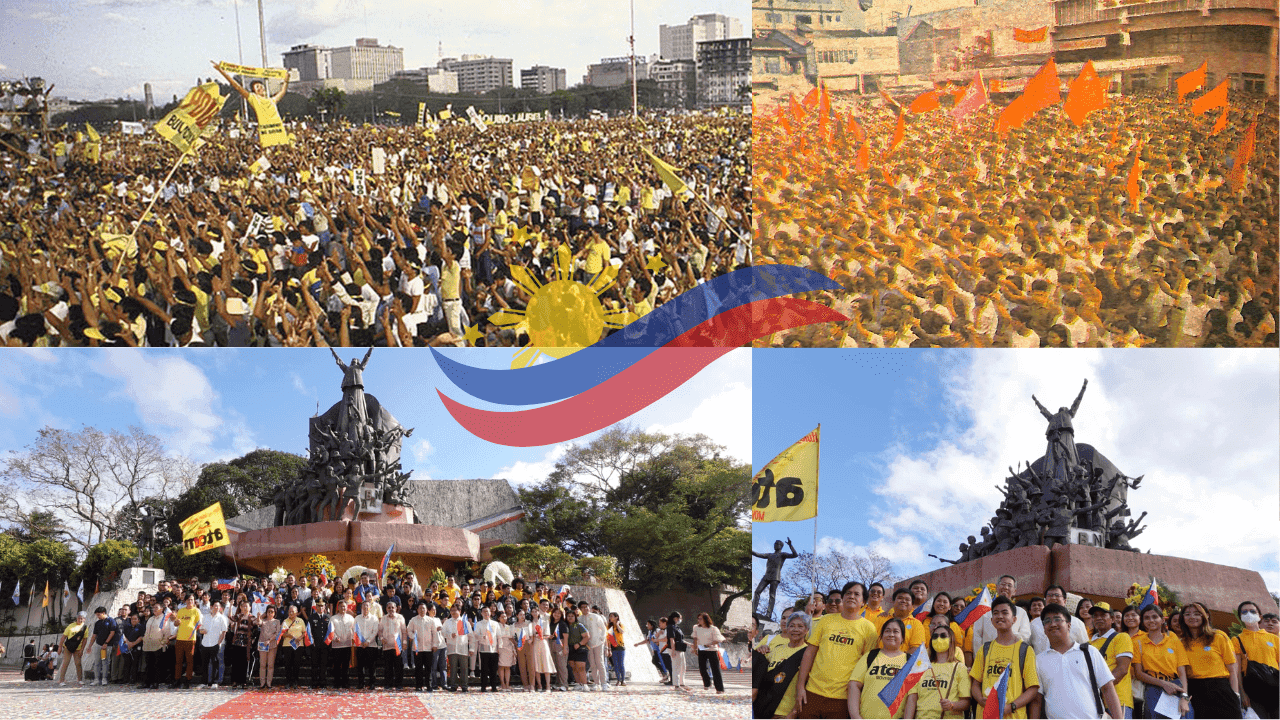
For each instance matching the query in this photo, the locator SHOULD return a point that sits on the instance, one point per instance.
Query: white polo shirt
(1064, 682)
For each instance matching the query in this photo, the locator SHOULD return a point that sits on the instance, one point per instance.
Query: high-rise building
(680, 42)
(543, 79)
(724, 70)
(434, 79)
(678, 80)
(353, 68)
(612, 72)
(479, 73)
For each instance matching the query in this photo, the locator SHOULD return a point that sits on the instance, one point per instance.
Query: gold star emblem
(473, 334)
(655, 264)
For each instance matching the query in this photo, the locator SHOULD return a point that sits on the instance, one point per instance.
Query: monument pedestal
(1102, 574)
(347, 543)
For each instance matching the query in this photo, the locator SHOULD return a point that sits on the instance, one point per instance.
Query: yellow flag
(183, 125)
(787, 488)
(668, 174)
(93, 134)
(45, 603)
(204, 531)
(273, 73)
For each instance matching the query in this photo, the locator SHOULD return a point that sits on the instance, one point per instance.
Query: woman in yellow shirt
(940, 693)
(776, 697)
(1212, 680)
(1255, 646)
(869, 678)
(1160, 663)
(1131, 624)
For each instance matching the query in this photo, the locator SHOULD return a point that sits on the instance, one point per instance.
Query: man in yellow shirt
(903, 603)
(1117, 648)
(875, 598)
(835, 645)
(991, 658)
(187, 618)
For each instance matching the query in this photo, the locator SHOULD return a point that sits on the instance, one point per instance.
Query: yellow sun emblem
(563, 315)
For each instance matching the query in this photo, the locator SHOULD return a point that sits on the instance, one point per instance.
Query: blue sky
(219, 404)
(93, 49)
(914, 442)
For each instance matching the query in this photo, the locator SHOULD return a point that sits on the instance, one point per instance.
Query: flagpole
(817, 469)
(145, 213)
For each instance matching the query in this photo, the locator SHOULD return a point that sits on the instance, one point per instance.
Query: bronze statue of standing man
(772, 576)
(1061, 454)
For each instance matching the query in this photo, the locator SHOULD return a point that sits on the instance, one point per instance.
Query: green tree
(328, 102)
(671, 509)
(103, 564)
(36, 525)
(46, 559)
(241, 485)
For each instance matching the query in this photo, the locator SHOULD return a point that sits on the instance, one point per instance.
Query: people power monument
(1072, 495)
(354, 457)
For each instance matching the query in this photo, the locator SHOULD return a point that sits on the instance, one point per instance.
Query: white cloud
(99, 71)
(1163, 414)
(174, 399)
(522, 471)
(724, 417)
(301, 385)
(421, 449)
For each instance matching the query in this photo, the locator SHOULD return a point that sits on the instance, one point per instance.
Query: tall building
(724, 69)
(807, 16)
(479, 73)
(543, 79)
(612, 72)
(678, 81)
(352, 68)
(680, 42)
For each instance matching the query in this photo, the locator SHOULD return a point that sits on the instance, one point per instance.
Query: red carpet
(322, 704)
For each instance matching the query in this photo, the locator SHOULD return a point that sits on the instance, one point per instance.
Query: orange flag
(824, 110)
(1134, 173)
(997, 85)
(1243, 153)
(855, 129)
(1088, 92)
(1222, 121)
(1192, 81)
(811, 100)
(1215, 98)
(797, 112)
(1030, 36)
(888, 99)
(863, 163)
(926, 102)
(899, 133)
(1041, 92)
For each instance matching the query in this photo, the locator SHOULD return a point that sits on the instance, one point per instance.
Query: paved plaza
(47, 700)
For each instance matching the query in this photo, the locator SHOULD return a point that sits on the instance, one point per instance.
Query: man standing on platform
(391, 634)
(595, 624)
(319, 620)
(1055, 595)
(1072, 684)
(344, 626)
(836, 642)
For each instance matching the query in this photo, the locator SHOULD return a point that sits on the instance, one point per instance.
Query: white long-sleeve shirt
(984, 631)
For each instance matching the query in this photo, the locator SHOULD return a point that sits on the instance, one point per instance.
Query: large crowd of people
(363, 235)
(452, 636)
(961, 237)
(834, 653)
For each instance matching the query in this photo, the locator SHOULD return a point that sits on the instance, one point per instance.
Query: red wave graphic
(642, 384)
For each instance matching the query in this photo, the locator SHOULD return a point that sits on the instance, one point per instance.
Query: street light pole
(632, 40)
(262, 34)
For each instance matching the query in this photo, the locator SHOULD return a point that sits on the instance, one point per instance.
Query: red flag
(1222, 121)
(797, 112)
(1088, 92)
(1193, 80)
(1215, 98)
(1243, 153)
(863, 163)
(1134, 173)
(1041, 92)
(972, 98)
(899, 133)
(811, 100)
(925, 102)
(1030, 36)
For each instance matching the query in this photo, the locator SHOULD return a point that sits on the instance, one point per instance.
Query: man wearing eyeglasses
(1073, 684)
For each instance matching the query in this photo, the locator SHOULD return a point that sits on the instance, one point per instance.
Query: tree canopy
(671, 509)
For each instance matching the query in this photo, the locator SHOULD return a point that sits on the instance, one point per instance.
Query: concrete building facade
(612, 72)
(680, 42)
(352, 68)
(678, 80)
(479, 73)
(724, 68)
(433, 78)
(543, 79)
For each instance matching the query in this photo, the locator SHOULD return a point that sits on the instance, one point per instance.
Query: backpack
(1022, 656)
(1259, 680)
(73, 643)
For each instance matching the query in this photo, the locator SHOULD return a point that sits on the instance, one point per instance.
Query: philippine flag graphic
(596, 386)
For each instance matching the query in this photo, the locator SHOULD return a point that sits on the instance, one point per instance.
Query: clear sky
(94, 49)
(914, 442)
(219, 404)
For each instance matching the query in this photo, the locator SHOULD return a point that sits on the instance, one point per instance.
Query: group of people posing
(833, 655)
(433, 638)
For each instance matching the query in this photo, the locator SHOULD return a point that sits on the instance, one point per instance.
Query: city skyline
(170, 44)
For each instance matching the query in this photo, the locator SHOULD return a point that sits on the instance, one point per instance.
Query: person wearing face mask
(941, 692)
(1258, 657)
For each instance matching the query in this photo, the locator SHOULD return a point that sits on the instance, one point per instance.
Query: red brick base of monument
(1101, 574)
